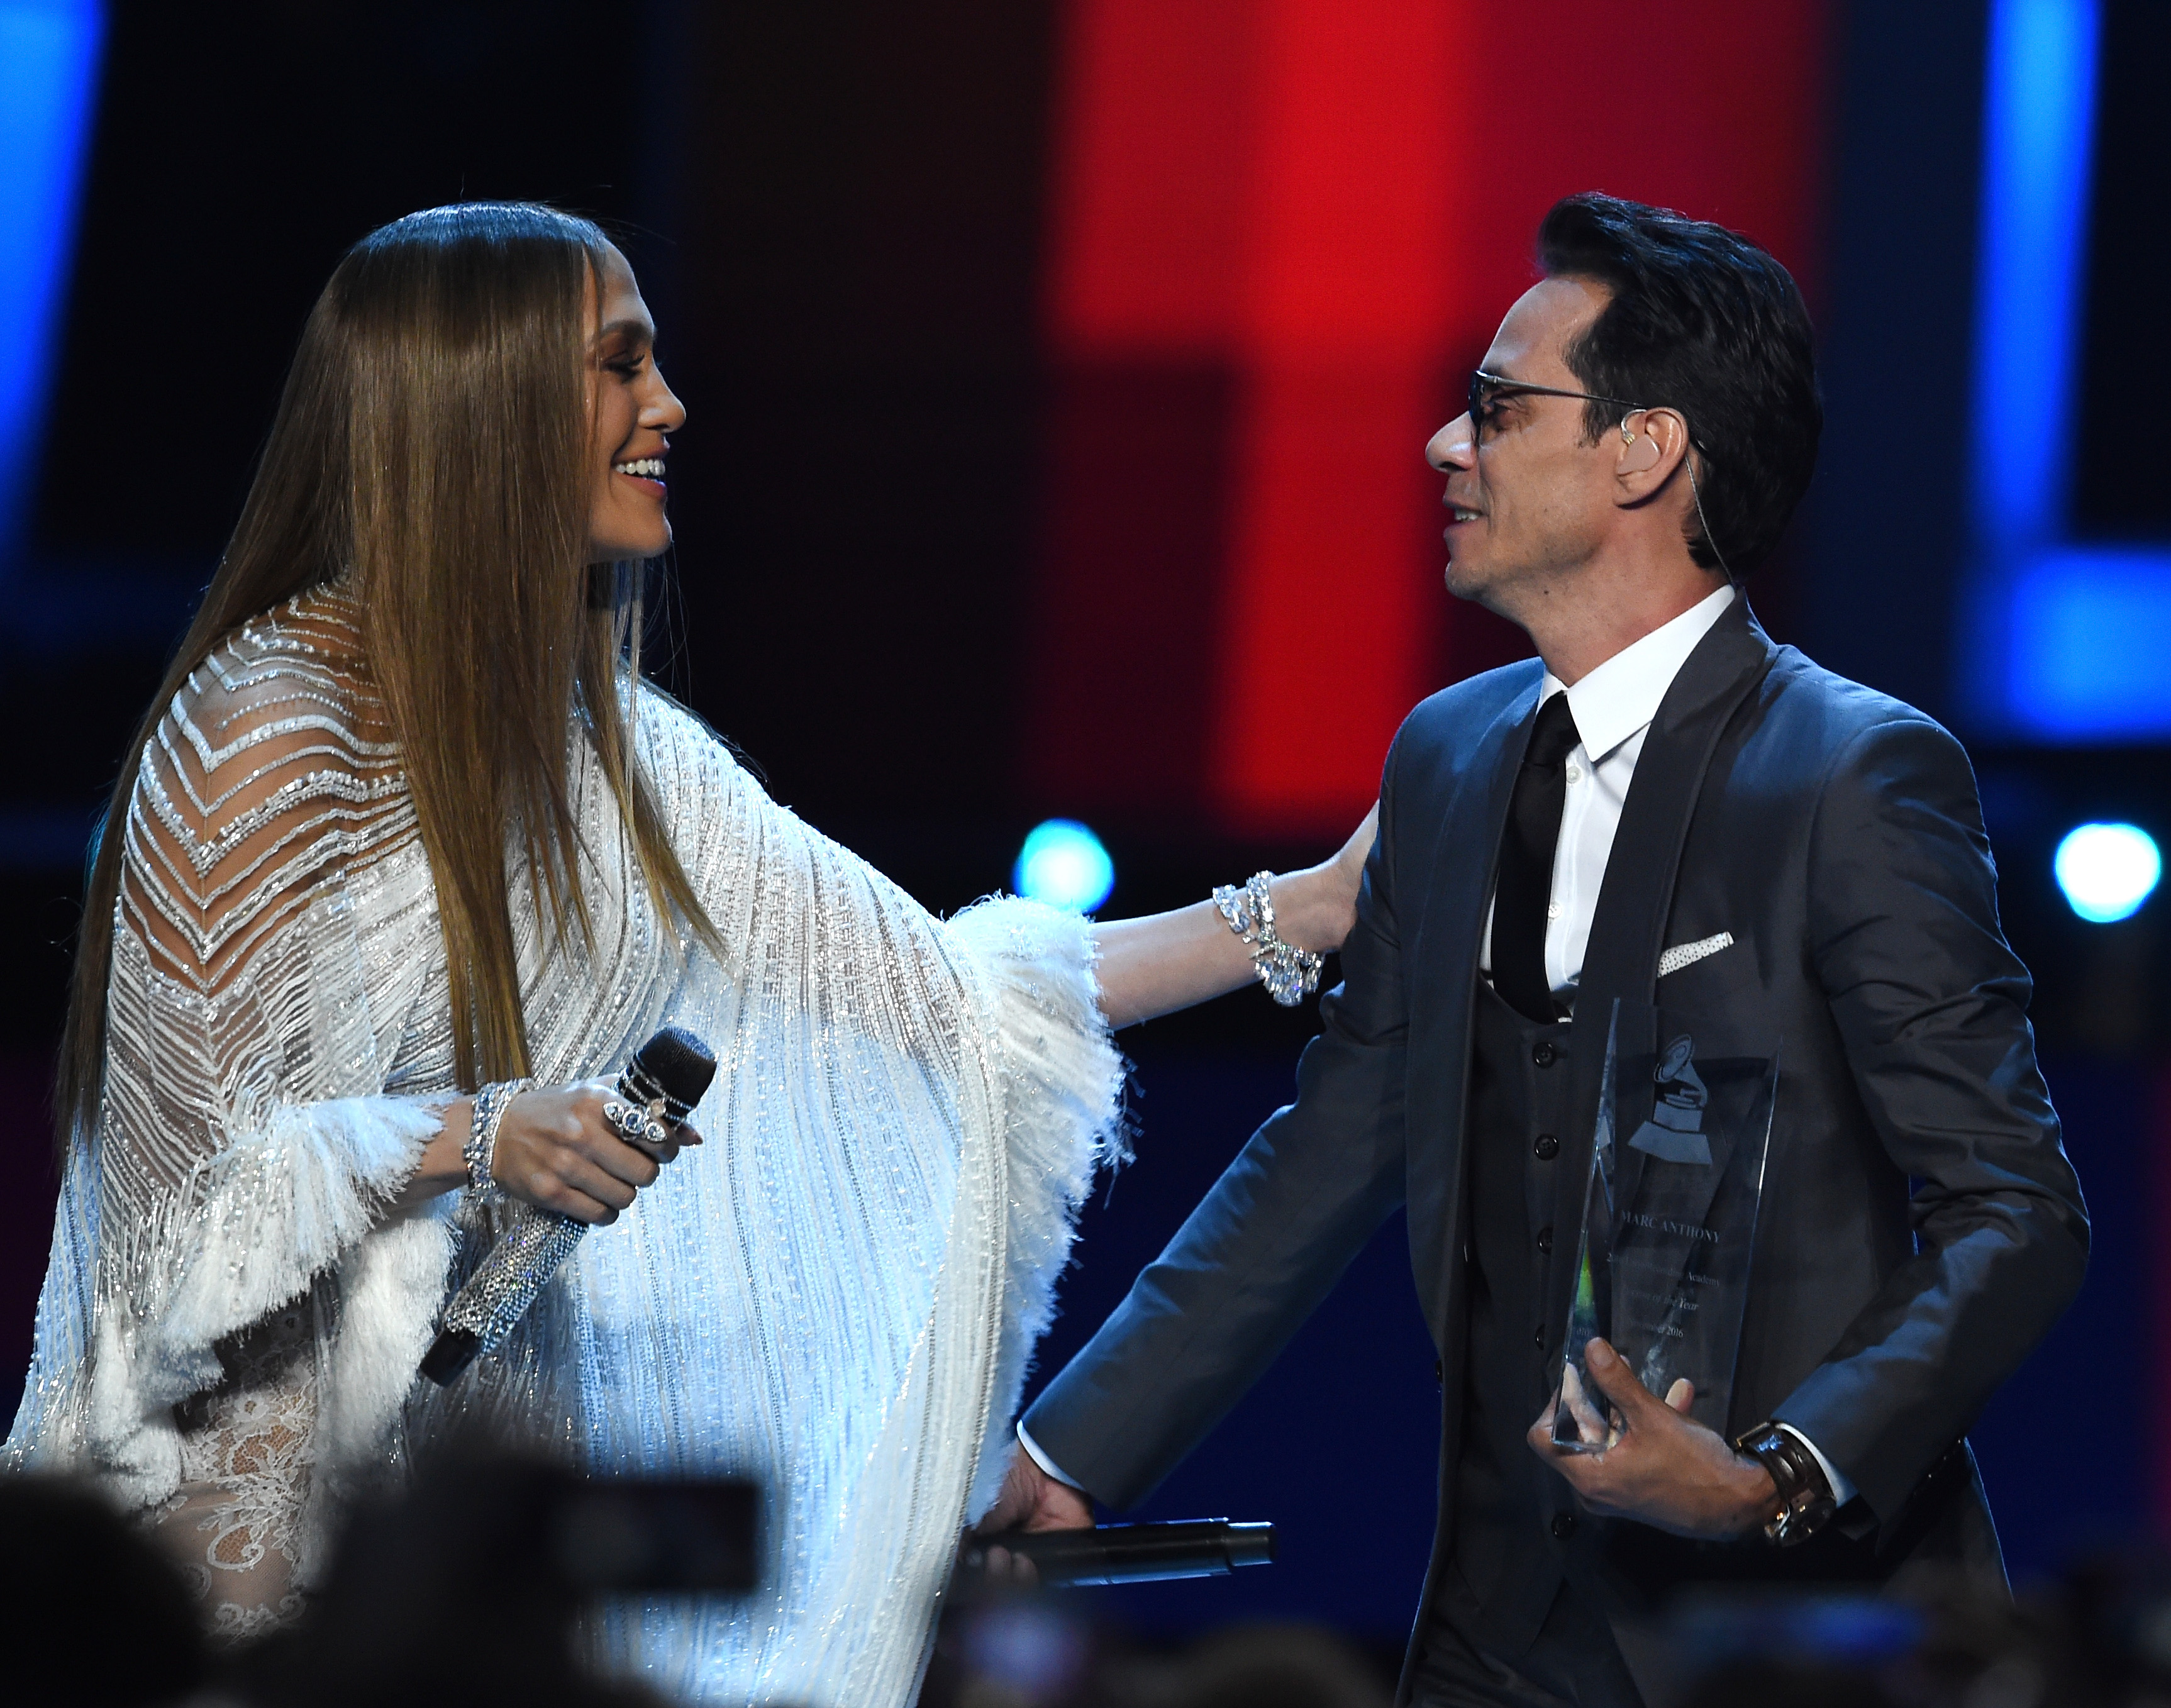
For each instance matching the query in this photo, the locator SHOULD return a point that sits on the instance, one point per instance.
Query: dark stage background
(1057, 376)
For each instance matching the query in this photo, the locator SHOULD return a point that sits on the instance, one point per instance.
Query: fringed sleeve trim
(1062, 1081)
(282, 1205)
(273, 1211)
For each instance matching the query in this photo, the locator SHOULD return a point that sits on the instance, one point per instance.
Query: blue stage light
(48, 67)
(2039, 124)
(1064, 864)
(2058, 635)
(2107, 870)
(2086, 655)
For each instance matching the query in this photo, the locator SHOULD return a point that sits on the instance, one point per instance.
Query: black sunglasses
(1487, 389)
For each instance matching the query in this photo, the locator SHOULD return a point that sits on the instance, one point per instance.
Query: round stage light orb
(2107, 870)
(1064, 864)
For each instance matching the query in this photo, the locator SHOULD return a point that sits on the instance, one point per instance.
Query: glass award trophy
(1669, 1218)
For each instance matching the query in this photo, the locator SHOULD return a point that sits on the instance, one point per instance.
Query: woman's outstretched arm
(1160, 963)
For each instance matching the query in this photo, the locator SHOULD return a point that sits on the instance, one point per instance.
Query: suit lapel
(1442, 969)
(1635, 901)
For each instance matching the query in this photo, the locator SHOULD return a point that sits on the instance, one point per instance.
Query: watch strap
(1806, 1505)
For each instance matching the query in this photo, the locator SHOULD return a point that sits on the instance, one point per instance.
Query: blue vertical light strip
(2064, 640)
(2040, 120)
(49, 58)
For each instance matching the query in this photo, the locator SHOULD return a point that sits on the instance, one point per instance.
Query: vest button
(1545, 1240)
(1543, 1053)
(1563, 1525)
(1439, 1373)
(1547, 1149)
(1538, 1338)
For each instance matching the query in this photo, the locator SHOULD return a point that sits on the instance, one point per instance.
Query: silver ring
(633, 1125)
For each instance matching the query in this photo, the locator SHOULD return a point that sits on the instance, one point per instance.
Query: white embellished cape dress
(838, 1293)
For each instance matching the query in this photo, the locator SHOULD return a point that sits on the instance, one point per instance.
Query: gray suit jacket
(1835, 833)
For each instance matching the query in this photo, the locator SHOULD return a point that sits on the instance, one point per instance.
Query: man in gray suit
(1799, 872)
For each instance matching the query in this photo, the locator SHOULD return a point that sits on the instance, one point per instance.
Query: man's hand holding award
(1661, 1285)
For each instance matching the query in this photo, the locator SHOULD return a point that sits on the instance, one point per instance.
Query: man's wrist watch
(1806, 1505)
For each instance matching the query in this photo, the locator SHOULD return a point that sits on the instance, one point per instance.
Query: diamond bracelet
(491, 1104)
(1289, 973)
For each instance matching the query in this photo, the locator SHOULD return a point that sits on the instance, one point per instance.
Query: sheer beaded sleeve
(907, 1114)
(245, 1149)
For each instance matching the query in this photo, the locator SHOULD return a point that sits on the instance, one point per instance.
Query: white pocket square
(1685, 954)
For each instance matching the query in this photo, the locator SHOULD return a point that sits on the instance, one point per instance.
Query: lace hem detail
(235, 1522)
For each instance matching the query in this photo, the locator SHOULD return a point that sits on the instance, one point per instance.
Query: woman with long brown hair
(405, 854)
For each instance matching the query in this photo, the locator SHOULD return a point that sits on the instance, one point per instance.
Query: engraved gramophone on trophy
(1668, 1219)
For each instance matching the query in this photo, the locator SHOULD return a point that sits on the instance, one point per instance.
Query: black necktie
(1525, 892)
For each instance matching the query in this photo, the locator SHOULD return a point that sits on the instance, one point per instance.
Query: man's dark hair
(1704, 321)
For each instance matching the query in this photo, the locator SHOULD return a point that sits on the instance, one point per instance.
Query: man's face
(1529, 501)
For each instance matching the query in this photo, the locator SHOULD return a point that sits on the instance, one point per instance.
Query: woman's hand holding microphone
(582, 1150)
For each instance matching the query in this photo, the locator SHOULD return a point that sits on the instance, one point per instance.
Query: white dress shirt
(1613, 707)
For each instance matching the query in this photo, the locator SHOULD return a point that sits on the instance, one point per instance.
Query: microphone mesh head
(675, 1066)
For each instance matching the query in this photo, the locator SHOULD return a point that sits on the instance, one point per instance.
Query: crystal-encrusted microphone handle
(525, 1255)
(667, 1078)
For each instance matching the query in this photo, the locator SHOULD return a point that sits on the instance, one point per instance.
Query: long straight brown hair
(433, 444)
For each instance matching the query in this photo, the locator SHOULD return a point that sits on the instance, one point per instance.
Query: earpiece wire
(1702, 521)
(1695, 494)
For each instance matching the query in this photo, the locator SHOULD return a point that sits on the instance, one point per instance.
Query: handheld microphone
(667, 1076)
(1134, 1553)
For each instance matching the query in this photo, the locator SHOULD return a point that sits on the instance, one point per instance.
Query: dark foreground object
(472, 1588)
(1136, 1553)
(95, 1611)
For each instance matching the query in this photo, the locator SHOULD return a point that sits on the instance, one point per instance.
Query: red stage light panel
(1274, 227)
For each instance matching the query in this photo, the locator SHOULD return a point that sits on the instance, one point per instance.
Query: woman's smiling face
(631, 410)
